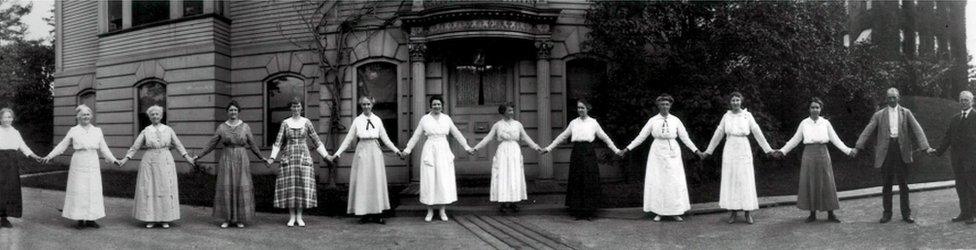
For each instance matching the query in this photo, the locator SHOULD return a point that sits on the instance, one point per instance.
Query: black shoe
(971, 221)
(885, 218)
(811, 218)
(363, 220)
(960, 218)
(832, 218)
(908, 219)
(5, 223)
(81, 225)
(379, 220)
(92, 224)
(514, 208)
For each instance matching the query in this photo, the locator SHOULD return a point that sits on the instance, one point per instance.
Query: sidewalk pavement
(42, 227)
(779, 226)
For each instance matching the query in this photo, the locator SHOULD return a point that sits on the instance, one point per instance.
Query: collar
(896, 107)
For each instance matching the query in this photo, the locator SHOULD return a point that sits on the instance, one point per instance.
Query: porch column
(543, 111)
(418, 76)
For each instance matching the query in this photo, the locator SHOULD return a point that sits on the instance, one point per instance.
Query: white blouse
(439, 127)
(10, 139)
(583, 130)
(741, 125)
(156, 137)
(366, 127)
(83, 138)
(815, 132)
(663, 128)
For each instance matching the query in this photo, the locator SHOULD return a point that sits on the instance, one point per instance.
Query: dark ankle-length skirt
(583, 187)
(10, 200)
(818, 192)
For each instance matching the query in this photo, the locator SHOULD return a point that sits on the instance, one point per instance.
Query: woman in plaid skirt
(295, 186)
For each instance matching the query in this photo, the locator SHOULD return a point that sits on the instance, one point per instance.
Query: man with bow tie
(961, 137)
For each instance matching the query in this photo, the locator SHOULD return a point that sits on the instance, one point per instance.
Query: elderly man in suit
(897, 132)
(961, 137)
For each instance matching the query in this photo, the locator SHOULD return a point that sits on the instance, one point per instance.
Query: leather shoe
(5, 223)
(92, 224)
(908, 219)
(885, 218)
(960, 219)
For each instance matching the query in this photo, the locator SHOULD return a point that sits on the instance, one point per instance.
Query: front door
(476, 89)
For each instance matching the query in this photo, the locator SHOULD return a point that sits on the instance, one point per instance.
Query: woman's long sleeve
(459, 136)
(836, 140)
(683, 135)
(136, 145)
(211, 144)
(348, 139)
(62, 146)
(276, 147)
(717, 136)
(488, 137)
(251, 143)
(562, 136)
(177, 143)
(793, 142)
(528, 140)
(386, 139)
(644, 133)
(417, 134)
(106, 152)
(758, 134)
(606, 139)
(319, 146)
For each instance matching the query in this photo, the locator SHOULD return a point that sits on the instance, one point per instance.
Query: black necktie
(369, 124)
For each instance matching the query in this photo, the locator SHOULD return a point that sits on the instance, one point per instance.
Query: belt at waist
(731, 135)
(368, 139)
(815, 143)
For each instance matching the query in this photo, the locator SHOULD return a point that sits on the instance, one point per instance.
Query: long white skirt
(83, 195)
(157, 189)
(437, 183)
(367, 180)
(738, 176)
(508, 174)
(665, 188)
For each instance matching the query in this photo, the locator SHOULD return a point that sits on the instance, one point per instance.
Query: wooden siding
(164, 38)
(80, 34)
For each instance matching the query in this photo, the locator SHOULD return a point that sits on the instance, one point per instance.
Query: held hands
(931, 152)
(622, 152)
(471, 151)
(122, 162)
(269, 161)
(853, 153)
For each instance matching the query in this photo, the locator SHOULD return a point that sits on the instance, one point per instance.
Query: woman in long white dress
(507, 167)
(817, 189)
(738, 176)
(437, 183)
(583, 191)
(83, 199)
(665, 187)
(12, 147)
(157, 190)
(368, 194)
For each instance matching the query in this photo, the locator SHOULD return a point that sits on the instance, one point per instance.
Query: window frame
(267, 136)
(399, 92)
(570, 107)
(138, 111)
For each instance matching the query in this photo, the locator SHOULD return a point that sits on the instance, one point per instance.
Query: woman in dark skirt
(11, 147)
(234, 192)
(583, 188)
(818, 192)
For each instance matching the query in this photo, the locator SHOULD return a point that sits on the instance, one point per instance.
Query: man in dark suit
(961, 137)
(897, 132)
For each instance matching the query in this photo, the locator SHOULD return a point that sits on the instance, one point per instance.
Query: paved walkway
(776, 228)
